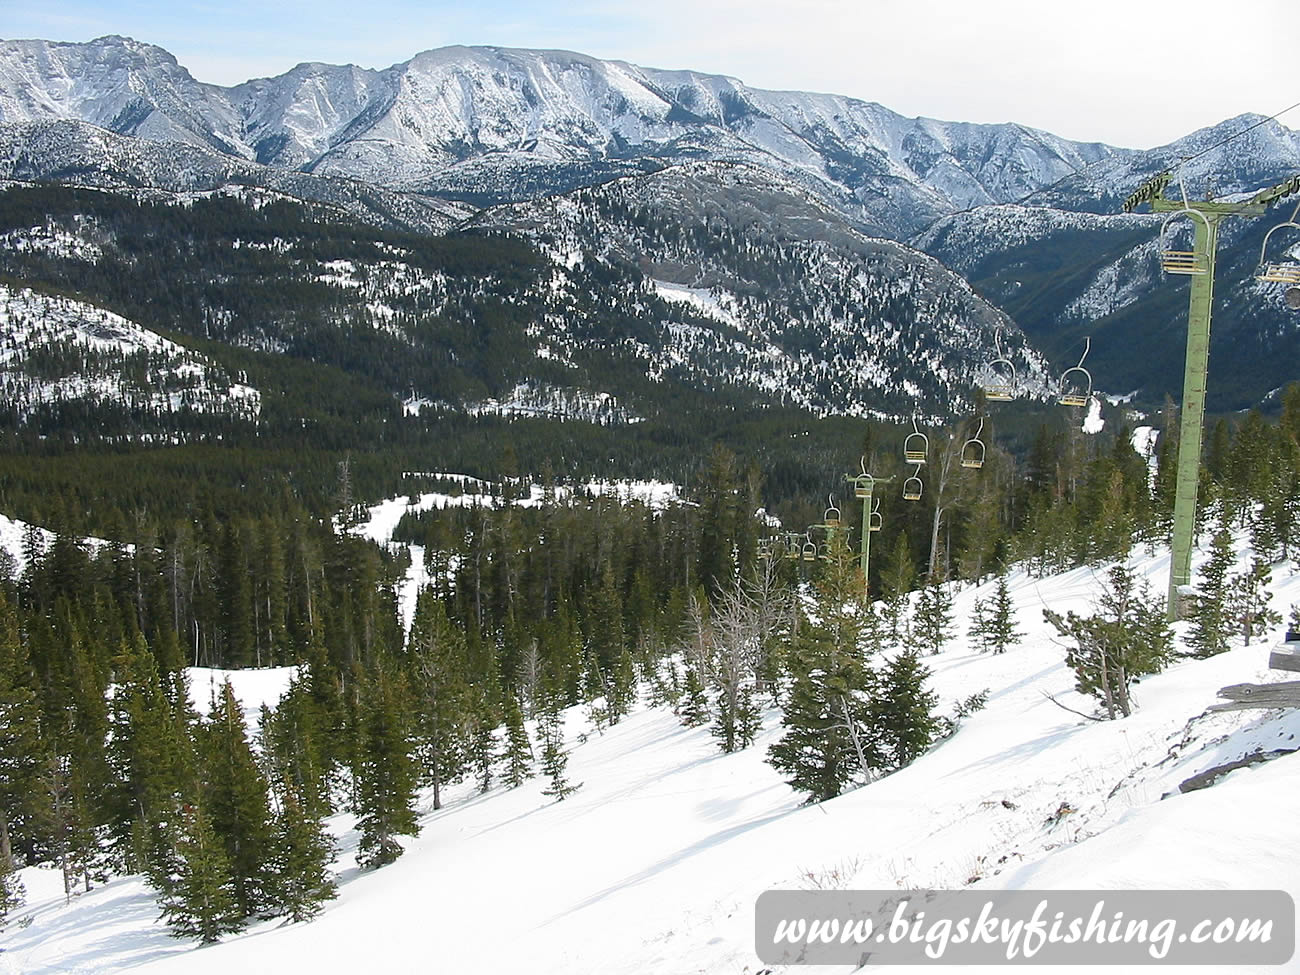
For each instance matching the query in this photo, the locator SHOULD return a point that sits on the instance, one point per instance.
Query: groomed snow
(655, 863)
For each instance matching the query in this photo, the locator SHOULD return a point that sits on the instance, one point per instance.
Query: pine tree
(694, 707)
(12, 893)
(932, 621)
(303, 854)
(1002, 618)
(555, 759)
(198, 900)
(437, 649)
(827, 742)
(1126, 638)
(21, 744)
(622, 687)
(236, 805)
(152, 757)
(1248, 601)
(980, 632)
(386, 773)
(898, 577)
(902, 713)
(1209, 631)
(519, 751)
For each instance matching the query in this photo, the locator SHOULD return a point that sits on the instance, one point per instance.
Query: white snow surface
(1093, 422)
(655, 863)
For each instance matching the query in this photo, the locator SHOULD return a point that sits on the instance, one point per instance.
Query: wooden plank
(1283, 694)
(1247, 705)
(1285, 658)
(1241, 691)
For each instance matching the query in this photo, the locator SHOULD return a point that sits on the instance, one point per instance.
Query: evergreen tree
(932, 621)
(900, 572)
(386, 773)
(12, 892)
(437, 649)
(555, 759)
(482, 734)
(152, 756)
(519, 751)
(1001, 626)
(827, 742)
(303, 854)
(694, 707)
(198, 900)
(1209, 632)
(1248, 601)
(1127, 638)
(980, 632)
(903, 715)
(622, 686)
(237, 806)
(22, 746)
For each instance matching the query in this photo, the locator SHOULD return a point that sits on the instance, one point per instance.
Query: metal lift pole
(863, 488)
(1192, 419)
(1206, 215)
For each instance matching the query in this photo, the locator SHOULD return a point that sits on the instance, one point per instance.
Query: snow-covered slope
(54, 351)
(655, 863)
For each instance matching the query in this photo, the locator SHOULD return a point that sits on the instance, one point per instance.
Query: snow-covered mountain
(498, 124)
(753, 286)
(81, 154)
(711, 284)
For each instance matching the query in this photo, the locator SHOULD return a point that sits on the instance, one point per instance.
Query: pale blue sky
(1106, 70)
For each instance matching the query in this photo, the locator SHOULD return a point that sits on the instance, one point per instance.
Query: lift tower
(1199, 264)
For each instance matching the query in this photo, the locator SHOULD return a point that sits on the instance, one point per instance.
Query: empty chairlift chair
(912, 487)
(916, 446)
(863, 483)
(999, 376)
(1285, 272)
(973, 450)
(1076, 383)
(809, 550)
(1176, 261)
(831, 519)
(874, 521)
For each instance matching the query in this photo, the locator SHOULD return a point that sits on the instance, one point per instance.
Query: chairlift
(1076, 382)
(973, 450)
(916, 446)
(874, 521)
(809, 550)
(1000, 381)
(1287, 272)
(1182, 262)
(863, 483)
(791, 545)
(832, 517)
(912, 488)
(765, 548)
